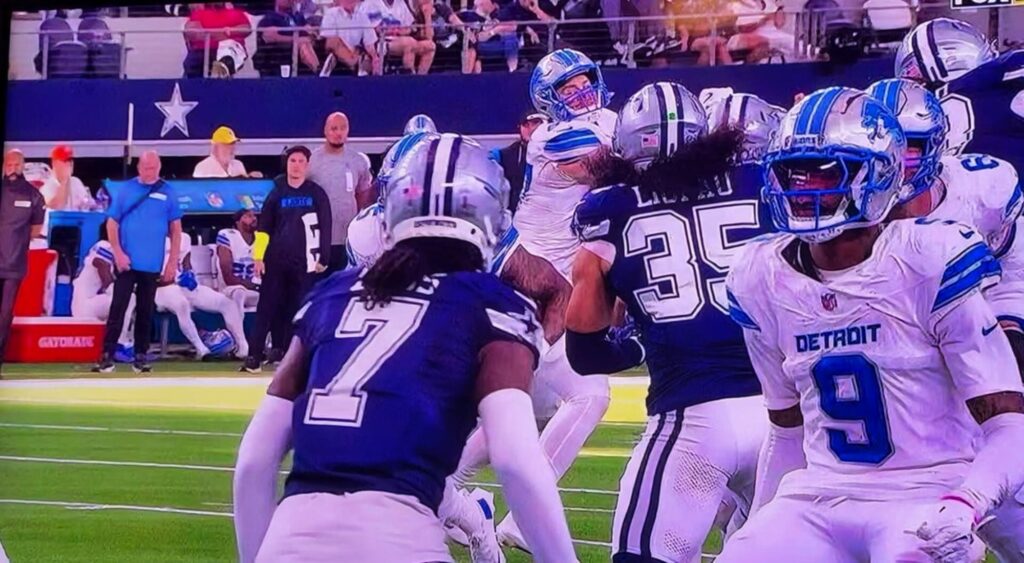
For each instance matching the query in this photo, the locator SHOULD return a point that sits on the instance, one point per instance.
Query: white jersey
(242, 264)
(984, 192)
(880, 358)
(88, 282)
(544, 216)
(366, 237)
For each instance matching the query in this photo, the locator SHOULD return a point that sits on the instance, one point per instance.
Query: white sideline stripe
(136, 382)
(121, 430)
(127, 403)
(170, 510)
(220, 468)
(207, 381)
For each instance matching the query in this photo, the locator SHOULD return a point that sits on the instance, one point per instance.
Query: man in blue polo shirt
(142, 214)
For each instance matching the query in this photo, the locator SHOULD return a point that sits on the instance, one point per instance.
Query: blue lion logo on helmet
(554, 73)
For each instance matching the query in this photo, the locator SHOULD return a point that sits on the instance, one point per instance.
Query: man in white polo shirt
(349, 34)
(222, 162)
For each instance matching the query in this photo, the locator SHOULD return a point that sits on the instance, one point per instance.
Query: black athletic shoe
(251, 365)
(105, 365)
(141, 365)
(274, 356)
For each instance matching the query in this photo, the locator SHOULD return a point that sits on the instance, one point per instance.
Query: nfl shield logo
(828, 301)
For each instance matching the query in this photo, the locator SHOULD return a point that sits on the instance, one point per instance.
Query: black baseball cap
(238, 214)
(288, 152)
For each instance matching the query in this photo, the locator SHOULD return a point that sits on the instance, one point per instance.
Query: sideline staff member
(21, 219)
(294, 237)
(143, 212)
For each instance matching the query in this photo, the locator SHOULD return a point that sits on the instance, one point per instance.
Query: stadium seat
(203, 264)
(52, 32)
(105, 60)
(889, 21)
(69, 59)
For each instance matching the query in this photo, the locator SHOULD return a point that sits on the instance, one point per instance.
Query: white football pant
(364, 526)
(207, 299)
(686, 463)
(98, 307)
(245, 298)
(172, 299)
(811, 529)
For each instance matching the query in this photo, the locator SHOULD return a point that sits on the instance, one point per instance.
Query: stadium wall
(268, 114)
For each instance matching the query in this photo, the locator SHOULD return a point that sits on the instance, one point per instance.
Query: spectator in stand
(534, 38)
(513, 157)
(437, 22)
(227, 27)
(62, 190)
(491, 38)
(394, 20)
(748, 44)
(142, 216)
(350, 37)
(696, 33)
(222, 162)
(274, 42)
(21, 219)
(345, 175)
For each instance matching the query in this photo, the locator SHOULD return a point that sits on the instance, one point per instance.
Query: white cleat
(509, 534)
(483, 542)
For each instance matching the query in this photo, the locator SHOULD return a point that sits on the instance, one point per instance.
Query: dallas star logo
(175, 112)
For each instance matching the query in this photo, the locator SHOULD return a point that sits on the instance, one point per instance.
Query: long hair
(413, 259)
(693, 169)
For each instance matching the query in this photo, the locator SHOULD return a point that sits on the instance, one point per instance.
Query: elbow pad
(592, 352)
(259, 246)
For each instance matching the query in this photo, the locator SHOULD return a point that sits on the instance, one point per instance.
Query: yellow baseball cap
(224, 136)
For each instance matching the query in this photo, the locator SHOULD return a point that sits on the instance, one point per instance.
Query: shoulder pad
(598, 208)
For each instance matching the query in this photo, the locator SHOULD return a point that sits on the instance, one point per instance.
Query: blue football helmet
(836, 164)
(758, 120)
(941, 50)
(447, 186)
(924, 124)
(552, 73)
(420, 123)
(656, 121)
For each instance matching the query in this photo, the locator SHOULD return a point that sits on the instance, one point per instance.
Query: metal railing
(667, 40)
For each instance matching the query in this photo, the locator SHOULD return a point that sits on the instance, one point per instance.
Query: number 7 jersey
(668, 263)
(880, 358)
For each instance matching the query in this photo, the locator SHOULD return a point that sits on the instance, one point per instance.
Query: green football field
(139, 469)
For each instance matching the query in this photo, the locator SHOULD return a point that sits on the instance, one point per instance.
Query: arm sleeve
(781, 452)
(593, 353)
(263, 446)
(593, 224)
(324, 221)
(526, 479)
(997, 472)
(116, 208)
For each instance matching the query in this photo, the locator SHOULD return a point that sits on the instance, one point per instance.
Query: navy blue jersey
(985, 109)
(390, 397)
(668, 264)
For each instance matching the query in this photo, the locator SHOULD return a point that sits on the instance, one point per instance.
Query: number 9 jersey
(880, 357)
(668, 263)
(390, 398)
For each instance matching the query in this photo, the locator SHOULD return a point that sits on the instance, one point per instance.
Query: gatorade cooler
(55, 339)
(35, 297)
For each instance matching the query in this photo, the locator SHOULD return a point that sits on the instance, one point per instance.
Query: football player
(423, 333)
(976, 190)
(187, 294)
(663, 247)
(982, 92)
(234, 258)
(93, 292)
(419, 123)
(874, 337)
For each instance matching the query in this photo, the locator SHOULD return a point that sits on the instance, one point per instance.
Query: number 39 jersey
(668, 264)
(242, 264)
(390, 396)
(880, 358)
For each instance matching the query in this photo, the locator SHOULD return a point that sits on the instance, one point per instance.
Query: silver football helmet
(941, 50)
(448, 187)
(419, 123)
(758, 120)
(924, 123)
(656, 121)
(836, 164)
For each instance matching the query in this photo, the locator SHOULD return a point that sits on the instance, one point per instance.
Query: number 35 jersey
(668, 263)
(390, 396)
(880, 358)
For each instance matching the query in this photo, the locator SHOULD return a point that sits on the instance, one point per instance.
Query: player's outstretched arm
(588, 318)
(507, 418)
(536, 278)
(264, 445)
